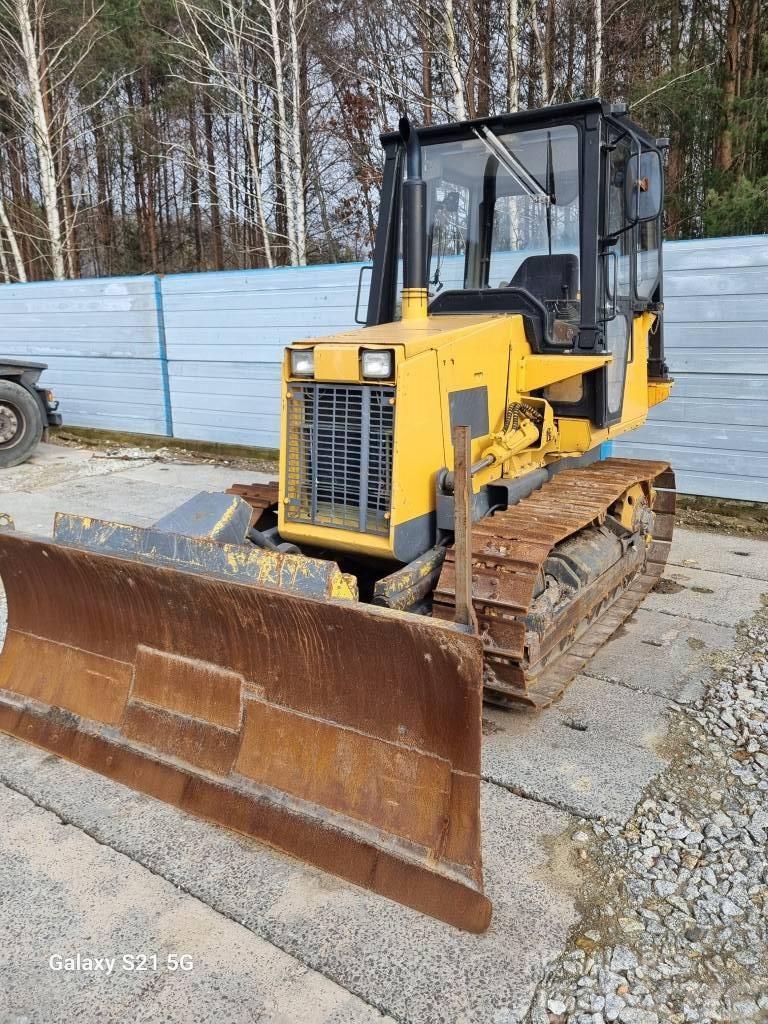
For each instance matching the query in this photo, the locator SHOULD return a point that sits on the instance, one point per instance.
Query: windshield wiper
(513, 166)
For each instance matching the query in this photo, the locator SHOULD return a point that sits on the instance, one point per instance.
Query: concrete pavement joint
(63, 820)
(695, 618)
(525, 794)
(613, 681)
(719, 572)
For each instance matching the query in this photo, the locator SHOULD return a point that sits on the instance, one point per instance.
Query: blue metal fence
(714, 428)
(100, 339)
(198, 355)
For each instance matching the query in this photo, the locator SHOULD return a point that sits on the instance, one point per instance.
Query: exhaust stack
(414, 228)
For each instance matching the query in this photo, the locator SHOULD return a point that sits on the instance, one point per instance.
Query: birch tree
(452, 57)
(45, 108)
(24, 48)
(283, 129)
(513, 52)
(215, 46)
(296, 16)
(9, 235)
(597, 84)
(202, 156)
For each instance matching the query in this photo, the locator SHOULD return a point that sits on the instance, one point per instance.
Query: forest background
(161, 136)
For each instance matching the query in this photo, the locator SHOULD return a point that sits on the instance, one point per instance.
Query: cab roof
(559, 112)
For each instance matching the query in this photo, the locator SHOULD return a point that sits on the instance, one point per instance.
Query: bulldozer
(305, 661)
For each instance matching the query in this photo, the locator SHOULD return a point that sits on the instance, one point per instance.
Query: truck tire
(21, 424)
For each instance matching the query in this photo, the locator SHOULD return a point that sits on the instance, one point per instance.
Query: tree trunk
(283, 131)
(13, 243)
(483, 29)
(730, 69)
(570, 57)
(194, 186)
(750, 47)
(18, 174)
(4, 262)
(104, 211)
(70, 217)
(470, 34)
(546, 81)
(532, 66)
(598, 58)
(297, 151)
(230, 149)
(150, 203)
(217, 245)
(452, 54)
(549, 52)
(513, 55)
(425, 44)
(43, 140)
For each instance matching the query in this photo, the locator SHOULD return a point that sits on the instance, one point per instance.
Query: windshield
(500, 207)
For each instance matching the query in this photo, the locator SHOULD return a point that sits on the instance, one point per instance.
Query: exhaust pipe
(414, 227)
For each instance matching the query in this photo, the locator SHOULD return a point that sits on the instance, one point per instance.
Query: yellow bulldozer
(305, 662)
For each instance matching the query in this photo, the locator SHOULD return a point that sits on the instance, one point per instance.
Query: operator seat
(551, 278)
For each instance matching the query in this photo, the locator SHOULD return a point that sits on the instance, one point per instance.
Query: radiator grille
(339, 456)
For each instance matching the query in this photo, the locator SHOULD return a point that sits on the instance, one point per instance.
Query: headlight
(378, 363)
(302, 362)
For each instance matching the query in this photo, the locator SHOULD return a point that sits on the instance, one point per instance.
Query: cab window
(648, 258)
(503, 210)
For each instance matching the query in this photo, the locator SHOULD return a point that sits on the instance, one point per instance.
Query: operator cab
(553, 214)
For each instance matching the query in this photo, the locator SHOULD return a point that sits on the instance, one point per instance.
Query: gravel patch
(675, 925)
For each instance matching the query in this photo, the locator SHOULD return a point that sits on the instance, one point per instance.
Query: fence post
(163, 355)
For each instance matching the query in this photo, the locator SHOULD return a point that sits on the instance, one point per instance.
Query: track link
(508, 552)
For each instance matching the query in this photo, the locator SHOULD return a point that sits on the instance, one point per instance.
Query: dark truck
(26, 410)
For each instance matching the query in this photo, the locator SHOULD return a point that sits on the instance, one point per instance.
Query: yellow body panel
(658, 391)
(419, 435)
(435, 357)
(534, 372)
(336, 362)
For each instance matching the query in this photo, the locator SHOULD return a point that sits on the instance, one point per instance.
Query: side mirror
(643, 187)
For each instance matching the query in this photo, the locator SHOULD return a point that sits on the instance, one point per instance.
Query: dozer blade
(345, 735)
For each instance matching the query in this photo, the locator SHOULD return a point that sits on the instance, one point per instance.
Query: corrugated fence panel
(226, 334)
(101, 341)
(714, 428)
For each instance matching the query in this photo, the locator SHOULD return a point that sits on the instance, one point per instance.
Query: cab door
(617, 285)
(631, 261)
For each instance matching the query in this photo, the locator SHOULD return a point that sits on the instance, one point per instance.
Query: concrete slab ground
(736, 556)
(112, 909)
(591, 753)
(662, 653)
(393, 958)
(276, 940)
(705, 595)
(128, 490)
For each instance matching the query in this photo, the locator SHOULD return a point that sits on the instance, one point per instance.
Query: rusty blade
(345, 735)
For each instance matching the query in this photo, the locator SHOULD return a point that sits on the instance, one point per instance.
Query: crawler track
(523, 666)
(259, 496)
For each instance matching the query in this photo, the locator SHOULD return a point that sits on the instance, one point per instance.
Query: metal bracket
(462, 527)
